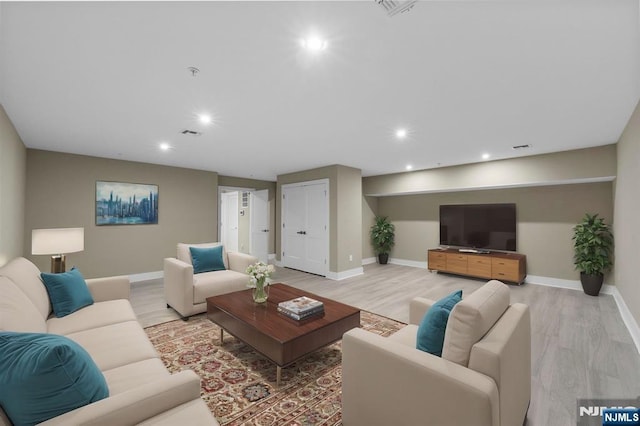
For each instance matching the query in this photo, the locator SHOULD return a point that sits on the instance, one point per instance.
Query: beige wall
(369, 212)
(545, 216)
(13, 171)
(61, 193)
(349, 218)
(235, 182)
(627, 206)
(345, 213)
(561, 167)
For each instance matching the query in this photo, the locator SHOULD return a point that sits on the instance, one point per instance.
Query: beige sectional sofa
(141, 390)
(187, 292)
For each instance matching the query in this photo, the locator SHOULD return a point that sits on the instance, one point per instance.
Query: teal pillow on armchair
(434, 323)
(207, 259)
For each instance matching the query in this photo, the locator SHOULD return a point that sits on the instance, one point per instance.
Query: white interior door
(259, 211)
(294, 211)
(316, 237)
(305, 241)
(229, 225)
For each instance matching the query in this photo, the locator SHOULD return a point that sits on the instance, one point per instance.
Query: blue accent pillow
(434, 323)
(68, 292)
(44, 376)
(207, 259)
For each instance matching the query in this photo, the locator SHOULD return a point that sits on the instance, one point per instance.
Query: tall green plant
(382, 235)
(593, 243)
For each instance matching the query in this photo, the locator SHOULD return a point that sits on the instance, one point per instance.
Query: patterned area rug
(239, 385)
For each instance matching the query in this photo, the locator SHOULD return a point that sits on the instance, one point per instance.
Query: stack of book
(301, 308)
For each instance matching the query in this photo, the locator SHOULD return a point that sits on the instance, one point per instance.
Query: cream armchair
(187, 292)
(483, 377)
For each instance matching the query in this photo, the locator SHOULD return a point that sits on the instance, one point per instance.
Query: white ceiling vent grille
(393, 7)
(188, 132)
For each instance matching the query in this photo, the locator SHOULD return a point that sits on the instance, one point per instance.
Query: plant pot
(383, 258)
(591, 284)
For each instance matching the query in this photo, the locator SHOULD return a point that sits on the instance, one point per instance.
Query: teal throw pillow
(434, 323)
(68, 292)
(207, 259)
(44, 376)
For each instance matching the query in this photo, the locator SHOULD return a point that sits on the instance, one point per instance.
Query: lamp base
(58, 264)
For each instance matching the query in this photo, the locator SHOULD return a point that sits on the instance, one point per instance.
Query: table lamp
(57, 242)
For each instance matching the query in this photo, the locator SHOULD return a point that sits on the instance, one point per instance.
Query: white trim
(278, 263)
(145, 276)
(506, 186)
(368, 260)
(337, 276)
(412, 263)
(627, 318)
(271, 256)
(561, 283)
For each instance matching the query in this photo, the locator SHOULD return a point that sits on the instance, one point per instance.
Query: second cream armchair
(482, 379)
(187, 292)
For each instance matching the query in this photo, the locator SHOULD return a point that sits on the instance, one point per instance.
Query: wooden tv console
(510, 267)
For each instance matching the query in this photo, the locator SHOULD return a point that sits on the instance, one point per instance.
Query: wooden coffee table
(279, 338)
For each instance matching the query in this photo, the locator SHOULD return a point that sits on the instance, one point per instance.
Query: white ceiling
(111, 80)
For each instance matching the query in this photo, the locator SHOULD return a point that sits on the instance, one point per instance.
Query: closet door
(305, 216)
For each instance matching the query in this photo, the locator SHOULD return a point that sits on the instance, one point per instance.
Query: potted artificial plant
(593, 242)
(382, 238)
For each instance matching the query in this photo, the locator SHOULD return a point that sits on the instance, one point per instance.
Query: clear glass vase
(260, 292)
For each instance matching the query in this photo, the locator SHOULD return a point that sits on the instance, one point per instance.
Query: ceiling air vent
(522, 146)
(393, 7)
(190, 132)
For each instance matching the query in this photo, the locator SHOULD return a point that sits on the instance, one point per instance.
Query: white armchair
(483, 377)
(187, 292)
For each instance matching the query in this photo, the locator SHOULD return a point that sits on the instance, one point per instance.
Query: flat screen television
(479, 226)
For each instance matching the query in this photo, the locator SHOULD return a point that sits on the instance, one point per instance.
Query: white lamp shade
(57, 240)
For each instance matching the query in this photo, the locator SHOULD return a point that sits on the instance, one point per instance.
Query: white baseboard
(337, 276)
(271, 256)
(146, 276)
(368, 260)
(412, 263)
(627, 318)
(278, 263)
(562, 283)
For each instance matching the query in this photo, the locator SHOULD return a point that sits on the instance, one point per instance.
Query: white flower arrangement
(260, 272)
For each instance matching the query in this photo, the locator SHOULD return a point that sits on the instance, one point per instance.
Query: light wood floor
(580, 346)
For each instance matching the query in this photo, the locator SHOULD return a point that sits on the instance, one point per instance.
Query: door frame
(327, 248)
(252, 216)
(221, 190)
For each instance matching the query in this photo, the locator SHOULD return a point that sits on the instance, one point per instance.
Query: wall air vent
(190, 132)
(525, 146)
(394, 7)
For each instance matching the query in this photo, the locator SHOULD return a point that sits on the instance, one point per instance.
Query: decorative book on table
(301, 305)
(308, 314)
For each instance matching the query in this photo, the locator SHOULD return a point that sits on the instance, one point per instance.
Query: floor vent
(393, 7)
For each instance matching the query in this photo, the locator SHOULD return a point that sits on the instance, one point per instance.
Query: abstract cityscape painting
(120, 203)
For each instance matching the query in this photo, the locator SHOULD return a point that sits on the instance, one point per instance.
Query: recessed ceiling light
(485, 156)
(204, 118)
(314, 44)
(409, 167)
(165, 146)
(401, 133)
